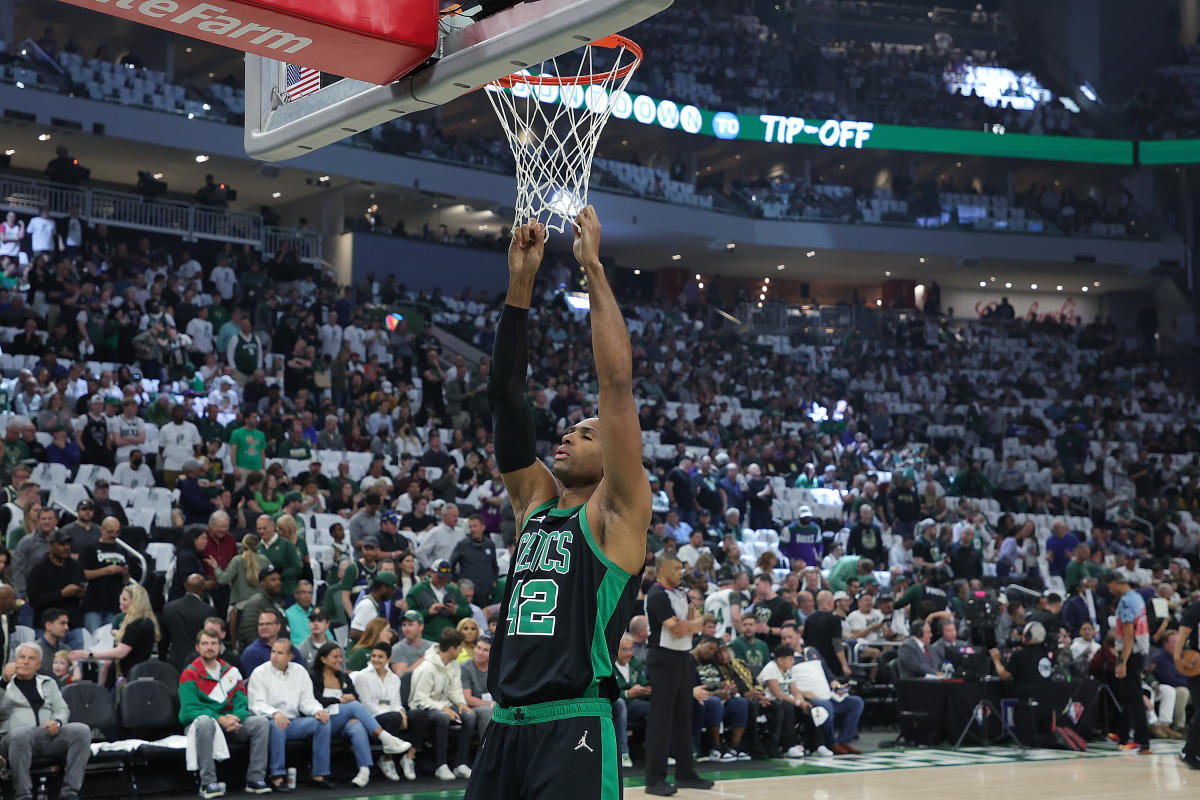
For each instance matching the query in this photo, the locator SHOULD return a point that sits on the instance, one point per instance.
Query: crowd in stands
(1167, 106)
(321, 483)
(724, 56)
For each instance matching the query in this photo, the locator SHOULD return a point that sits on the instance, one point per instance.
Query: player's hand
(526, 249)
(587, 237)
(1120, 671)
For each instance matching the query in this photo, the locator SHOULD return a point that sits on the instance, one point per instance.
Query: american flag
(301, 81)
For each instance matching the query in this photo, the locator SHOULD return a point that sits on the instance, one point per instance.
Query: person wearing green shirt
(849, 567)
(439, 613)
(748, 648)
(295, 446)
(281, 553)
(247, 448)
(1081, 566)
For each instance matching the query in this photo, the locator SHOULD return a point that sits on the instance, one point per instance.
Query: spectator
(212, 694)
(318, 636)
(724, 708)
(84, 531)
(816, 684)
(823, 630)
(439, 601)
(35, 722)
(182, 619)
(240, 574)
(775, 678)
(377, 630)
(437, 689)
(189, 559)
(374, 603)
(299, 612)
(195, 506)
(378, 689)
(32, 550)
(57, 581)
(1059, 547)
(135, 638)
(770, 610)
(474, 558)
(407, 653)
(916, 659)
(55, 624)
(267, 598)
(282, 555)
(334, 689)
(748, 648)
(281, 690)
(439, 542)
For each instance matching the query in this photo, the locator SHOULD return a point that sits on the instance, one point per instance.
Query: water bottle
(291, 777)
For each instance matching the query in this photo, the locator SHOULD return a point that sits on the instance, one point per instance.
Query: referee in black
(673, 622)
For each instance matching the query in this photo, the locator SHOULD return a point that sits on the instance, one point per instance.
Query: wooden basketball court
(1044, 774)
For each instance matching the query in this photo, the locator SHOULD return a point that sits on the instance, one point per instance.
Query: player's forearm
(610, 337)
(520, 291)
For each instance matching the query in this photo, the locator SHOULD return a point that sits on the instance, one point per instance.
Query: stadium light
(676, 257)
(276, 195)
(201, 158)
(1087, 91)
(1007, 285)
(780, 267)
(44, 137)
(10, 152)
(811, 253)
(982, 284)
(1033, 286)
(1083, 288)
(637, 272)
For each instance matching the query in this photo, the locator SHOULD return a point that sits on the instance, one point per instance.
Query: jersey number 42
(531, 608)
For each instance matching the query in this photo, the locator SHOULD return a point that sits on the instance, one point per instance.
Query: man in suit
(1086, 606)
(916, 658)
(182, 619)
(45, 731)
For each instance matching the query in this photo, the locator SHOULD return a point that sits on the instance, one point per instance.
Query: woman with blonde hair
(469, 628)
(136, 637)
(241, 576)
(377, 630)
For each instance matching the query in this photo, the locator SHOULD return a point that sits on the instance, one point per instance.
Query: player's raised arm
(623, 496)
(527, 479)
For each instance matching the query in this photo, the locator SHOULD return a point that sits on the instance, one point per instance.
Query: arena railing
(127, 210)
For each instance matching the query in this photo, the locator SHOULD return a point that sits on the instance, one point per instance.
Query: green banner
(1177, 151)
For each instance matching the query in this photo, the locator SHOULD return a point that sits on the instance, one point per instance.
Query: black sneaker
(694, 783)
(1190, 760)
(660, 789)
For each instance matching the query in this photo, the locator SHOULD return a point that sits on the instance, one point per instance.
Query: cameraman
(1028, 665)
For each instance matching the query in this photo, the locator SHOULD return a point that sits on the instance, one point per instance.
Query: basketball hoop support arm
(520, 36)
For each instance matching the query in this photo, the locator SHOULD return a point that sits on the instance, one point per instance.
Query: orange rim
(612, 42)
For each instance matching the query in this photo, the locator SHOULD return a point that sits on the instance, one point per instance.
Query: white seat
(50, 474)
(23, 634)
(90, 473)
(121, 494)
(433, 473)
(102, 637)
(67, 496)
(162, 553)
(142, 517)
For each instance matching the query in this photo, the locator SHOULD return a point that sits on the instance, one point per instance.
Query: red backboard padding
(371, 40)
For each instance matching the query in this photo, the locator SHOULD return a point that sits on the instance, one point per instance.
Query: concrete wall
(423, 265)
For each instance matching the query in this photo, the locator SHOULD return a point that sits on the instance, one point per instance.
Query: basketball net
(552, 118)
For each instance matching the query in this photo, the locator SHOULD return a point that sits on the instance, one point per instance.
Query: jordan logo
(583, 745)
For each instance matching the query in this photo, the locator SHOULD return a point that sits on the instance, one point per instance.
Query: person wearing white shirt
(133, 474)
(188, 267)
(330, 335)
(127, 430)
(225, 395)
(178, 440)
(356, 337)
(379, 690)
(775, 678)
(282, 691)
(224, 278)
(43, 232)
(1085, 645)
(201, 331)
(693, 549)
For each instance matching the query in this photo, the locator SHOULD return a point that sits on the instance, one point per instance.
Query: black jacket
(181, 620)
(476, 561)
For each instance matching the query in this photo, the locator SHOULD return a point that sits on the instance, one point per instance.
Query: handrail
(190, 221)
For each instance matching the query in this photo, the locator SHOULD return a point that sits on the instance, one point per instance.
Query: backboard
(466, 58)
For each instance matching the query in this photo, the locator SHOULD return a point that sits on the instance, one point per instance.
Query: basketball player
(573, 579)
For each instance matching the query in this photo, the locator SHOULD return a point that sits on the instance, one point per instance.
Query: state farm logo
(206, 18)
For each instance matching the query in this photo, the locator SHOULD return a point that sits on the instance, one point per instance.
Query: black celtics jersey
(565, 608)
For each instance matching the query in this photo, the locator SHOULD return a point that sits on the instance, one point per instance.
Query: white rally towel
(220, 748)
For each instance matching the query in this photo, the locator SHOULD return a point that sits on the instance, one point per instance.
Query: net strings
(552, 143)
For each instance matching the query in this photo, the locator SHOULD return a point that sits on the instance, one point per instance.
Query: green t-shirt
(754, 654)
(300, 451)
(251, 447)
